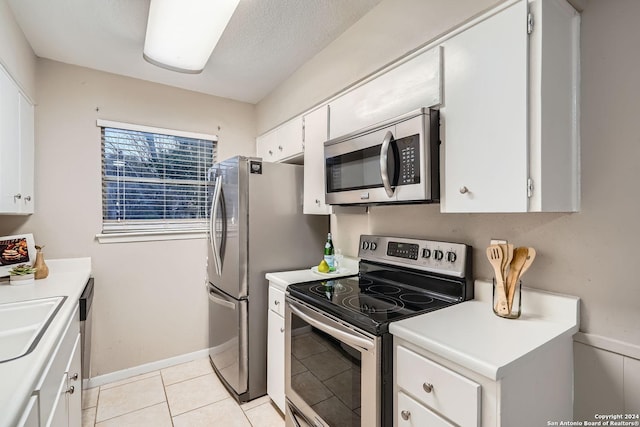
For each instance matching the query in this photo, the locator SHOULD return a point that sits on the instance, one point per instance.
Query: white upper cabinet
(16, 149)
(282, 143)
(410, 84)
(316, 131)
(509, 111)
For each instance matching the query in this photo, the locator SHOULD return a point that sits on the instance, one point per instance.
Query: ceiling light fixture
(181, 34)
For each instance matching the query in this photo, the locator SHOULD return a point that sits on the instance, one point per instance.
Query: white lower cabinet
(275, 348)
(439, 389)
(59, 389)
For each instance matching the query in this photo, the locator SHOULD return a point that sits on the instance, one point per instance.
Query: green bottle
(329, 253)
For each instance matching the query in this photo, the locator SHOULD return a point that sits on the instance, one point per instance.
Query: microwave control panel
(409, 152)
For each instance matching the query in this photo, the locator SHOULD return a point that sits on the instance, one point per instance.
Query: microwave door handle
(214, 210)
(343, 336)
(384, 154)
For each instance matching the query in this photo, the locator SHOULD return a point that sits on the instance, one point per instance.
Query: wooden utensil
(520, 257)
(495, 256)
(507, 250)
(531, 255)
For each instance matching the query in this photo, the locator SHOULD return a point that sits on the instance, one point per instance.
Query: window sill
(149, 236)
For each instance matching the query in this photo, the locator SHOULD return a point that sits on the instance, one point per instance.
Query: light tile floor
(185, 395)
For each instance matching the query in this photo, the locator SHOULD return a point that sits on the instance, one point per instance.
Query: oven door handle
(384, 155)
(346, 337)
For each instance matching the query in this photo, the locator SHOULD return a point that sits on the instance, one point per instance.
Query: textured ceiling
(264, 43)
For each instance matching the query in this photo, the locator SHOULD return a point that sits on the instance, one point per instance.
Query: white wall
(150, 303)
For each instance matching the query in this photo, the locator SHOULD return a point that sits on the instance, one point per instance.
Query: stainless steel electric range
(338, 350)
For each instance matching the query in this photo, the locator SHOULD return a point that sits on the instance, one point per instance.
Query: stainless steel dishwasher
(85, 328)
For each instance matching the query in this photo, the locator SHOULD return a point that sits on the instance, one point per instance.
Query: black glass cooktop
(370, 305)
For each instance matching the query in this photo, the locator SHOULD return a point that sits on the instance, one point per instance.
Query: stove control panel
(428, 255)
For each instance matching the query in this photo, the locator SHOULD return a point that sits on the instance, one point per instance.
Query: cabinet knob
(28, 198)
(280, 147)
(427, 387)
(71, 390)
(281, 329)
(277, 302)
(464, 190)
(17, 197)
(270, 153)
(405, 415)
(318, 202)
(74, 377)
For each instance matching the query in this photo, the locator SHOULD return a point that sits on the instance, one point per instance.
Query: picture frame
(16, 250)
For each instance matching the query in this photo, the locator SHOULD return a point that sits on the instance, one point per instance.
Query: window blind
(153, 182)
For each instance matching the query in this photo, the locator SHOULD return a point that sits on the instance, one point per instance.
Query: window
(154, 180)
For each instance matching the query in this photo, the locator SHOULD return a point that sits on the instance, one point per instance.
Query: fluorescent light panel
(181, 34)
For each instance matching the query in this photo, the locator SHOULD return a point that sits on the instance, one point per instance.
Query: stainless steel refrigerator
(256, 226)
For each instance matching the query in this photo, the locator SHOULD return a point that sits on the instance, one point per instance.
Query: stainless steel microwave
(396, 161)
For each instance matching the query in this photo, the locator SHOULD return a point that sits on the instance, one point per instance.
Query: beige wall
(150, 302)
(588, 254)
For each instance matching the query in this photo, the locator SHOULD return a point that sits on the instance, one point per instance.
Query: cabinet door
(484, 115)
(412, 414)
(74, 386)
(289, 136)
(26, 112)
(316, 132)
(265, 146)
(275, 360)
(10, 197)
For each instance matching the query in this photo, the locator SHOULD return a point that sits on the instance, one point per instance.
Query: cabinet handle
(427, 387)
(17, 197)
(281, 329)
(74, 377)
(405, 415)
(28, 198)
(277, 302)
(71, 390)
(464, 190)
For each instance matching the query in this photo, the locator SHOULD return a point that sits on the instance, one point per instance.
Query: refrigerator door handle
(220, 301)
(214, 210)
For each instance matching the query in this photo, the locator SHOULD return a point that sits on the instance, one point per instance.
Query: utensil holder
(515, 308)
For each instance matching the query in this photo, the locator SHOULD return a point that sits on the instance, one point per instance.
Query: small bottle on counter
(329, 253)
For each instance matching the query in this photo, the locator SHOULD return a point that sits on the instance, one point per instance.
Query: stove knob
(365, 245)
(451, 256)
(373, 246)
(426, 253)
(438, 255)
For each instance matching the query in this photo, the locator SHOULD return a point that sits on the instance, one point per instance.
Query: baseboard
(143, 369)
(609, 344)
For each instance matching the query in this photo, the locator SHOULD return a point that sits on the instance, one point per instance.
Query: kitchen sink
(23, 323)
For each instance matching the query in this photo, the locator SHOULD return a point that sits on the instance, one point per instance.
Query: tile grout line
(166, 398)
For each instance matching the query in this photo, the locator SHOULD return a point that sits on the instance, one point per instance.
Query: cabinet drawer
(276, 300)
(412, 414)
(439, 388)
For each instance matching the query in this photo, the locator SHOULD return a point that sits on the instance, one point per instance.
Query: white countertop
(471, 335)
(282, 279)
(67, 277)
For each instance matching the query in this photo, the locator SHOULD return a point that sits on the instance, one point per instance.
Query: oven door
(332, 370)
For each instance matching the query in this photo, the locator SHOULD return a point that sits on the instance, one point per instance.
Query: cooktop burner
(369, 304)
(397, 278)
